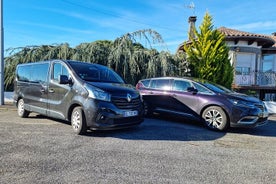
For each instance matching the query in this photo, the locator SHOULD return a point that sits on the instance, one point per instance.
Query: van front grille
(122, 103)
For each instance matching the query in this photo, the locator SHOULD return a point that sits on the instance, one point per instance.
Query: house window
(242, 70)
(267, 65)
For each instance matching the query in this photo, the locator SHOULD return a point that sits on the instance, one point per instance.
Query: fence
(256, 78)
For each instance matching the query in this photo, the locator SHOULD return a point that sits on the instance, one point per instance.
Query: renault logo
(129, 97)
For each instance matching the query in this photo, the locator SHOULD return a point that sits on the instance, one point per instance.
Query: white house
(254, 59)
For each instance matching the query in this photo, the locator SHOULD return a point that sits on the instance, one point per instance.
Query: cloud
(60, 28)
(266, 25)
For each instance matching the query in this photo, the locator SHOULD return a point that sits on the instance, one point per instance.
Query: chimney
(192, 20)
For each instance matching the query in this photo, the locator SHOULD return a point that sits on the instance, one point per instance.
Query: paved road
(161, 150)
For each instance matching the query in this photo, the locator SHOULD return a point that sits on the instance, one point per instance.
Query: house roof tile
(232, 33)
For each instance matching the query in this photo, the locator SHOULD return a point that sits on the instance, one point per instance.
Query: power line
(119, 16)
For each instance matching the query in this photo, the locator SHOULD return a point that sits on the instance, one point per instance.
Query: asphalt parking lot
(161, 150)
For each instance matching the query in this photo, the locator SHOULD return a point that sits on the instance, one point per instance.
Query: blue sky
(40, 22)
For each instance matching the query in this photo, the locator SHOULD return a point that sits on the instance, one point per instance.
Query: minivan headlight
(98, 94)
(241, 103)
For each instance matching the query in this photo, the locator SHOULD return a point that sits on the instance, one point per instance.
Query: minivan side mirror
(192, 90)
(63, 79)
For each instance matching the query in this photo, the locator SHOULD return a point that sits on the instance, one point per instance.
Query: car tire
(147, 109)
(215, 118)
(21, 111)
(78, 121)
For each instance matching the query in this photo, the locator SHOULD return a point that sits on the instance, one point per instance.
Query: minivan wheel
(78, 121)
(21, 110)
(215, 118)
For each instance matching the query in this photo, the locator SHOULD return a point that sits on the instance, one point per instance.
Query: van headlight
(98, 94)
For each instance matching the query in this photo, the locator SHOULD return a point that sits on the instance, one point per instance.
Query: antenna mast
(192, 7)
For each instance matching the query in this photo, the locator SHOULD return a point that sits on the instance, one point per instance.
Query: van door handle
(174, 95)
(51, 91)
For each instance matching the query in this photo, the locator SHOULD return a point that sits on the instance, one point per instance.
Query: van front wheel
(78, 121)
(21, 111)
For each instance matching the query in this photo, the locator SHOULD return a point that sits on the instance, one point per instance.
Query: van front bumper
(102, 115)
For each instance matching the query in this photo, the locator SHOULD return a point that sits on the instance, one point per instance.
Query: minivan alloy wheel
(215, 118)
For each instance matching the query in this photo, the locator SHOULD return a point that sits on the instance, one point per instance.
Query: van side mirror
(192, 90)
(63, 79)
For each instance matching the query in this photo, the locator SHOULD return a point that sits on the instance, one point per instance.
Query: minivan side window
(181, 85)
(58, 70)
(202, 89)
(163, 84)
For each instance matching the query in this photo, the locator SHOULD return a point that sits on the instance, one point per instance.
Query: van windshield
(95, 73)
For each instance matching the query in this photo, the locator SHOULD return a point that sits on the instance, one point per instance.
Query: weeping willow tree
(33, 54)
(182, 64)
(208, 54)
(125, 55)
(130, 59)
(95, 52)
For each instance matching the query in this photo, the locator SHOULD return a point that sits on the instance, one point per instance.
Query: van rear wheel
(147, 109)
(21, 111)
(78, 121)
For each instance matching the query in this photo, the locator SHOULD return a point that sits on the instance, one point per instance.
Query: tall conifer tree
(208, 54)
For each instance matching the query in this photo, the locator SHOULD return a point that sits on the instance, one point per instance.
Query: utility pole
(1, 55)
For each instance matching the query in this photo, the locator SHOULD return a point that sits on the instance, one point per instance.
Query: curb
(8, 106)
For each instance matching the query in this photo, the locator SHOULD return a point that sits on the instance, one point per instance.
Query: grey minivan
(218, 107)
(90, 96)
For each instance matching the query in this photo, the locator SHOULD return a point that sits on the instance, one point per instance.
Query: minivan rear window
(146, 83)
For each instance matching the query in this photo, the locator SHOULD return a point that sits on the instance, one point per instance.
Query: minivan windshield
(217, 88)
(95, 72)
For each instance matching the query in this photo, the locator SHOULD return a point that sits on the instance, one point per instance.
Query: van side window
(181, 85)
(36, 73)
(24, 73)
(39, 73)
(58, 70)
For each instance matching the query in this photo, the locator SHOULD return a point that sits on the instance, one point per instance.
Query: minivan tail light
(139, 85)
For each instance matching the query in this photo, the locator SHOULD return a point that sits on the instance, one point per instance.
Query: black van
(90, 96)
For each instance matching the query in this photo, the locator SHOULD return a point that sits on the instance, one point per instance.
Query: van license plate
(130, 113)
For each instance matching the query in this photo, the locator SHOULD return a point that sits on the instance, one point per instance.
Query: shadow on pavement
(179, 129)
(160, 128)
(268, 130)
